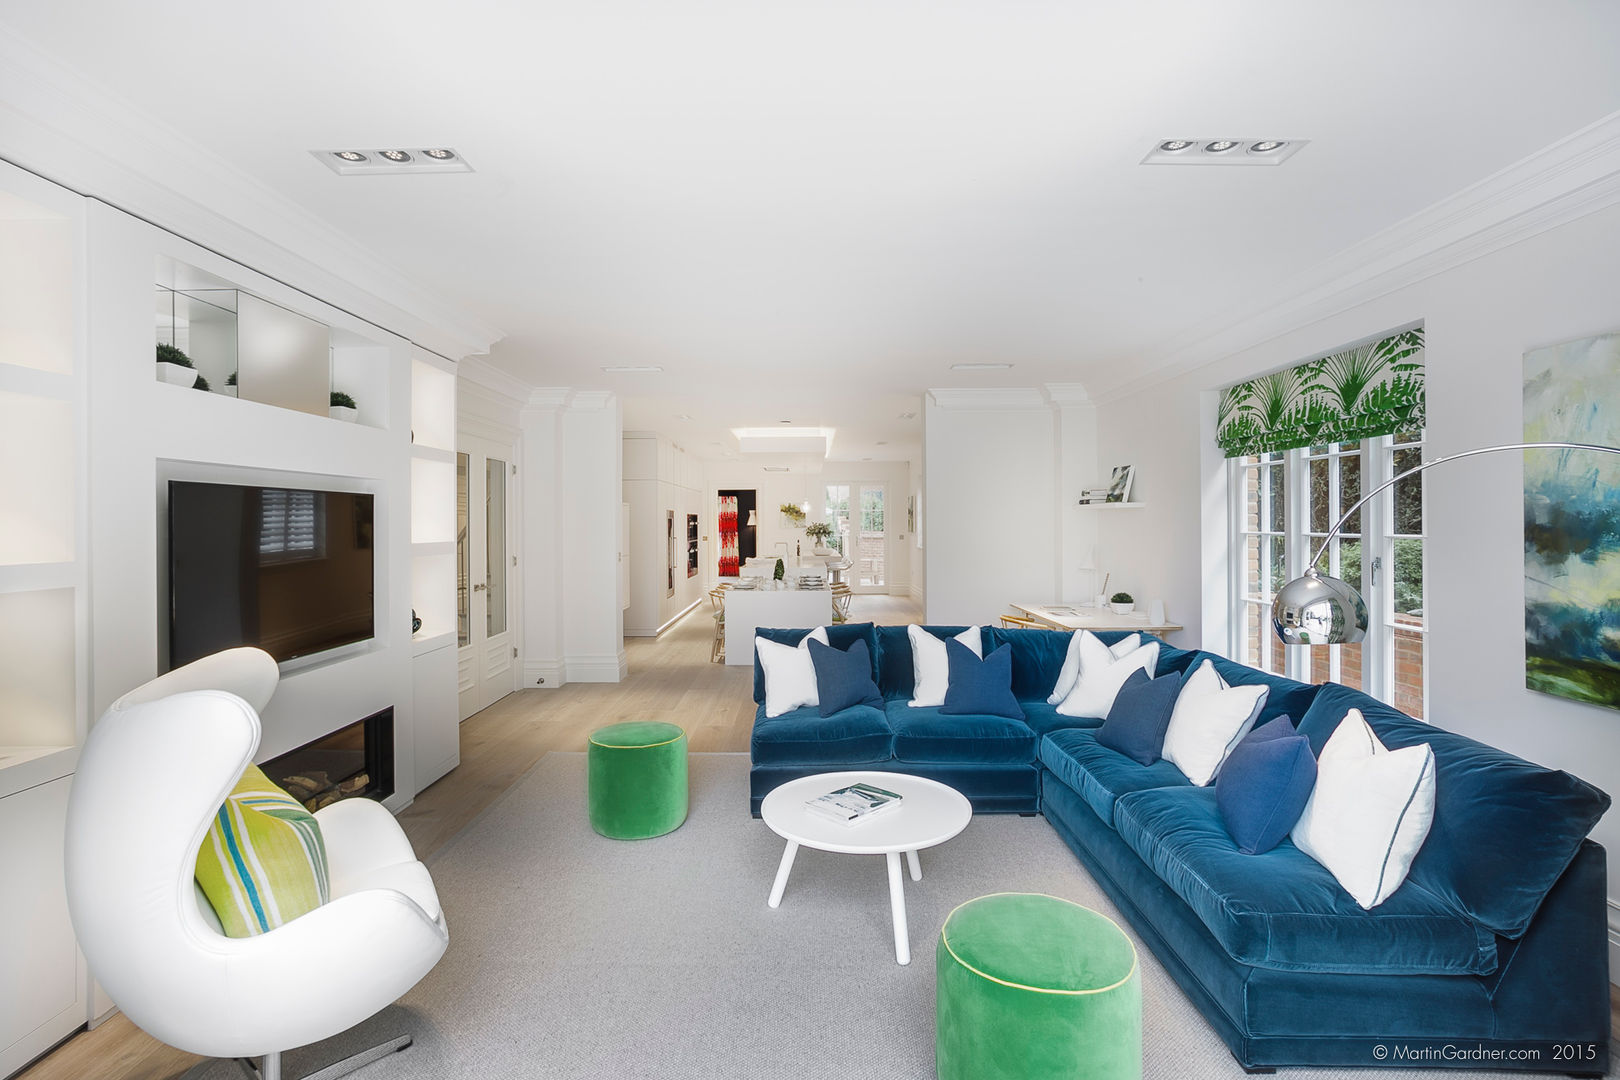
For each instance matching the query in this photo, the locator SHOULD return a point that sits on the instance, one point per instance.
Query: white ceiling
(808, 211)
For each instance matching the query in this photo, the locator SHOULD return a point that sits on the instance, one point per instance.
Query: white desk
(748, 609)
(1076, 617)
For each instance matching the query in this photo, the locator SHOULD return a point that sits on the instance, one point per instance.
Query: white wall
(990, 504)
(1480, 317)
(573, 626)
(144, 433)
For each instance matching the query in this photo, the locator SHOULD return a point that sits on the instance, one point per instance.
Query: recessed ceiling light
(683, 416)
(866, 459)
(883, 442)
(784, 421)
(908, 416)
(1221, 151)
(360, 162)
(774, 468)
(632, 369)
(980, 367)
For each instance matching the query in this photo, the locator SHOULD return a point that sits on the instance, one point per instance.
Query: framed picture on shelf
(1119, 484)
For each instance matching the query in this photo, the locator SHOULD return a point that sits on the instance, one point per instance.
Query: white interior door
(485, 574)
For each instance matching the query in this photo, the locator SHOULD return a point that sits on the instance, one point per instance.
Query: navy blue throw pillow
(1140, 716)
(979, 687)
(1265, 784)
(844, 676)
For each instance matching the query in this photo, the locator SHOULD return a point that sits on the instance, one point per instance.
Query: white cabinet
(438, 572)
(42, 997)
(438, 734)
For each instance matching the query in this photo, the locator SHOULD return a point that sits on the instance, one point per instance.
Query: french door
(485, 574)
(859, 517)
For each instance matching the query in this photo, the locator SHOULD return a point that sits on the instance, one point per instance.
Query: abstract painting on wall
(1572, 521)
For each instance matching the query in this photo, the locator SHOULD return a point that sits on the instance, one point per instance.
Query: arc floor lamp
(1318, 609)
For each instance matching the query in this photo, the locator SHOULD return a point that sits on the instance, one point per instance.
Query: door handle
(479, 588)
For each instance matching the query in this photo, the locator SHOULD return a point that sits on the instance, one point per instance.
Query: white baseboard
(901, 589)
(608, 667)
(917, 593)
(542, 674)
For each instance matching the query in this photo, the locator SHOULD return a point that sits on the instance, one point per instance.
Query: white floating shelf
(437, 547)
(28, 577)
(1113, 506)
(426, 641)
(22, 379)
(432, 453)
(23, 767)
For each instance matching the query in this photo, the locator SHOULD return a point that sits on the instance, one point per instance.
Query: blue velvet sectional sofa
(1493, 953)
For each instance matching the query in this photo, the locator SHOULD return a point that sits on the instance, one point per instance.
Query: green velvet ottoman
(1034, 986)
(636, 779)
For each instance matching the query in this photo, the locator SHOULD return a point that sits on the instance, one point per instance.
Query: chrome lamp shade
(1319, 610)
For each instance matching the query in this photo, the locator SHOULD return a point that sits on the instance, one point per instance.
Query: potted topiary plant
(1122, 603)
(174, 367)
(779, 574)
(343, 407)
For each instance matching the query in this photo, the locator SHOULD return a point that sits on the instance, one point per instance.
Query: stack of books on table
(852, 804)
(812, 581)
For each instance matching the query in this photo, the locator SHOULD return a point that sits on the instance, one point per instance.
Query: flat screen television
(285, 569)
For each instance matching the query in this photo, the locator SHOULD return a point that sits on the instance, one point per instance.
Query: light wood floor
(670, 679)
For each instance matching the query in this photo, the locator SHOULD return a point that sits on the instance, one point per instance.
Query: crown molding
(549, 397)
(996, 397)
(1574, 177)
(1067, 394)
(78, 134)
(487, 377)
(590, 399)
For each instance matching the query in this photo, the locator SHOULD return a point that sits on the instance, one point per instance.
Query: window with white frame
(1288, 490)
(1284, 503)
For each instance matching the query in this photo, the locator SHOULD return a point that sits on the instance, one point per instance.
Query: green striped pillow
(263, 862)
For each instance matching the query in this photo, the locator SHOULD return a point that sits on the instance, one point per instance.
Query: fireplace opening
(352, 762)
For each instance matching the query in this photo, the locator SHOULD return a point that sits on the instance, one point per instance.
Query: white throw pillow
(1209, 720)
(1102, 674)
(1370, 811)
(790, 677)
(933, 668)
(1070, 672)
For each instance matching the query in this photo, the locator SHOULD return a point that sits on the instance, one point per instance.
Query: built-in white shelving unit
(43, 605)
(433, 564)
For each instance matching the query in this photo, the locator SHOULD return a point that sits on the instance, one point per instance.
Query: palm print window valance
(1360, 393)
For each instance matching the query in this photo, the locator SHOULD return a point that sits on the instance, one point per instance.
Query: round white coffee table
(929, 814)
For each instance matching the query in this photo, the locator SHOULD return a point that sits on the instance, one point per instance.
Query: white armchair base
(269, 1066)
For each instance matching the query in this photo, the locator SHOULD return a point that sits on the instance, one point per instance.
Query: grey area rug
(576, 956)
